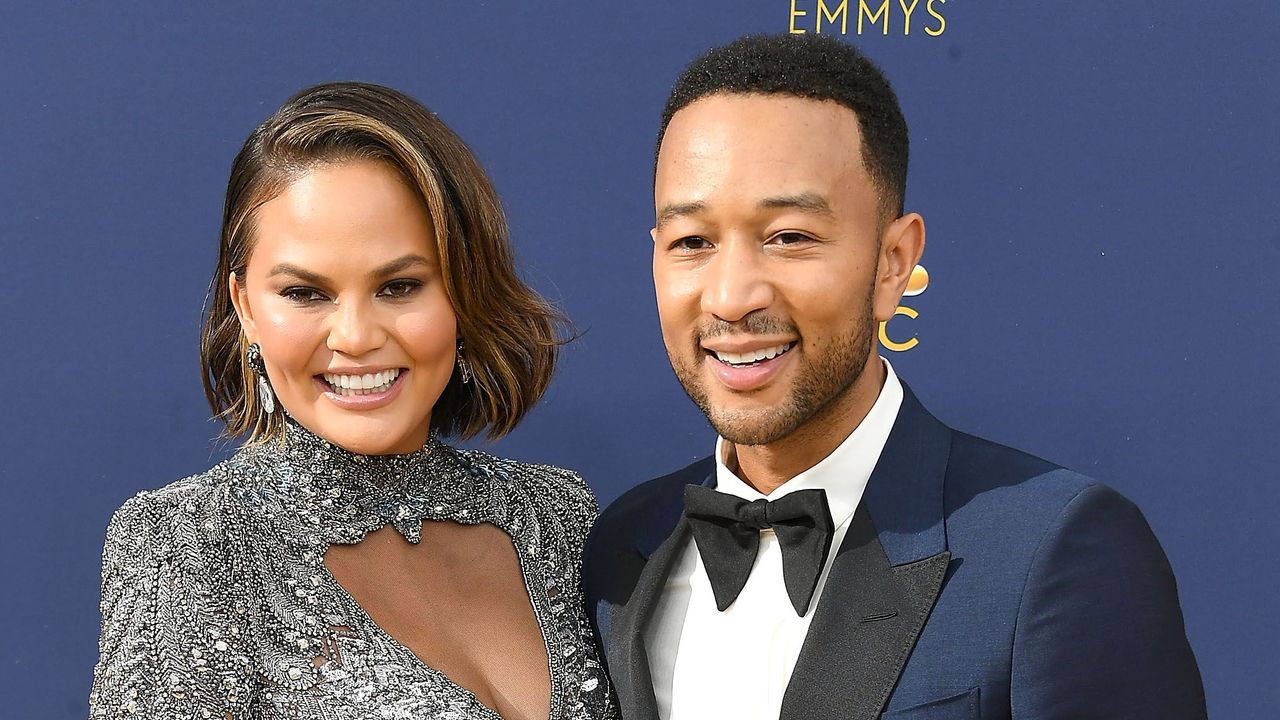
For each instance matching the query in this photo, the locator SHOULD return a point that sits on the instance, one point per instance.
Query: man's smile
(748, 370)
(750, 357)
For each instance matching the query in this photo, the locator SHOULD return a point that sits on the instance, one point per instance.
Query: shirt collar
(844, 473)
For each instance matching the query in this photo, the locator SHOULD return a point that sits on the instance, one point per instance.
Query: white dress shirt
(737, 663)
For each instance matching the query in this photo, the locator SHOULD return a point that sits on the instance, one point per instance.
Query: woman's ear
(901, 246)
(240, 301)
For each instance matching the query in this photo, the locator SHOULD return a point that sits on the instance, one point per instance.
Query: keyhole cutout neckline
(345, 497)
(363, 581)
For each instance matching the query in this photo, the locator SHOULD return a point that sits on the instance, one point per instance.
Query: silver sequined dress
(216, 602)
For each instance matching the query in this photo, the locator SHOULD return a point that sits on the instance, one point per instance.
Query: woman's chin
(367, 434)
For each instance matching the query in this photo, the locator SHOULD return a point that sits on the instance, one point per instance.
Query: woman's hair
(508, 330)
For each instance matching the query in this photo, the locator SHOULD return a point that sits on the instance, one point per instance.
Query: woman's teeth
(753, 356)
(370, 384)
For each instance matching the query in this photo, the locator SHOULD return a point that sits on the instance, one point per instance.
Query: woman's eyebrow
(300, 273)
(400, 264)
(391, 268)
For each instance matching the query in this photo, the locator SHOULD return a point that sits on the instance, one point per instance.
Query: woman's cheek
(430, 337)
(289, 337)
(430, 333)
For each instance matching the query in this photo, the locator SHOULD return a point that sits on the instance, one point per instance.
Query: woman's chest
(464, 603)
(414, 639)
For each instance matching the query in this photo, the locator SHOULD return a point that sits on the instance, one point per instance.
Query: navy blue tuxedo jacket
(975, 581)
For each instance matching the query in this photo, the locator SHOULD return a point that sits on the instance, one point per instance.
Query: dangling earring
(464, 369)
(253, 356)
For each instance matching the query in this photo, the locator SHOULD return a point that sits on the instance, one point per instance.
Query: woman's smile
(362, 391)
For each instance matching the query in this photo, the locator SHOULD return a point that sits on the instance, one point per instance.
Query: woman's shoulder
(189, 509)
(149, 512)
(559, 482)
(551, 489)
(165, 574)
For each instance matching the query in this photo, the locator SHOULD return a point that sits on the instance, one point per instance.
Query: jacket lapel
(883, 582)
(658, 547)
(864, 628)
(634, 684)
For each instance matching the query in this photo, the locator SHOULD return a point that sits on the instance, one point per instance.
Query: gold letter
(795, 14)
(842, 10)
(942, 22)
(864, 10)
(897, 346)
(906, 19)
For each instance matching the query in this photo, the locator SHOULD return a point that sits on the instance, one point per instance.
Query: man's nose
(355, 328)
(737, 283)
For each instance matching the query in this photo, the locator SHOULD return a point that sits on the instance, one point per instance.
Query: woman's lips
(369, 401)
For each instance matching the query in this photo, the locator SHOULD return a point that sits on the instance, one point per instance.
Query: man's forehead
(808, 202)
(770, 136)
(730, 114)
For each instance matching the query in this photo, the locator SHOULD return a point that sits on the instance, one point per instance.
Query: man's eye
(302, 295)
(791, 238)
(692, 242)
(399, 288)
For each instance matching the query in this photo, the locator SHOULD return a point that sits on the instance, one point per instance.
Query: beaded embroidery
(216, 602)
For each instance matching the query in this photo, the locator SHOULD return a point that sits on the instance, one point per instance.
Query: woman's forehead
(355, 215)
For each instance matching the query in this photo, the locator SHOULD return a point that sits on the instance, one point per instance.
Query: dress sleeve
(159, 654)
(1100, 632)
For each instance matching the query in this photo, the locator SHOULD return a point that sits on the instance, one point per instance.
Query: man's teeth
(753, 356)
(362, 384)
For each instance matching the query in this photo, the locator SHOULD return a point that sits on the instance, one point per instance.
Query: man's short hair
(816, 67)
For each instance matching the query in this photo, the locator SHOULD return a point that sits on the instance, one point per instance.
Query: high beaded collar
(302, 446)
(343, 495)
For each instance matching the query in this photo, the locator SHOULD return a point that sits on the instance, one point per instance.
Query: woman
(345, 563)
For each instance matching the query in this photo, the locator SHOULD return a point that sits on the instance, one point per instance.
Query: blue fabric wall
(1100, 182)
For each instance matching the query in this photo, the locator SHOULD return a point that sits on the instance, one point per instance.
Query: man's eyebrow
(391, 268)
(804, 202)
(678, 210)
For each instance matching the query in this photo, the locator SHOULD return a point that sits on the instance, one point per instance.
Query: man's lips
(749, 369)
(747, 353)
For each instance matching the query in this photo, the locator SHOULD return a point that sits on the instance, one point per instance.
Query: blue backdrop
(1100, 183)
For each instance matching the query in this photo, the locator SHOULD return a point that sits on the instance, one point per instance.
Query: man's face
(765, 260)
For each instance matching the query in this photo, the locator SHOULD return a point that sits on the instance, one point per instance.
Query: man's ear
(240, 301)
(901, 246)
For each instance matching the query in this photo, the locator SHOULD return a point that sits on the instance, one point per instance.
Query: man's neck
(768, 467)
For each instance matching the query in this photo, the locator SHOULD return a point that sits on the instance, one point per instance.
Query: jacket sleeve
(1100, 632)
(158, 655)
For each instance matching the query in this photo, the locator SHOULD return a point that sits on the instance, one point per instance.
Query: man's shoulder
(977, 461)
(972, 456)
(668, 488)
(990, 482)
(639, 505)
(973, 468)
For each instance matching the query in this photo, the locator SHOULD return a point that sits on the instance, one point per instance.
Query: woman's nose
(355, 329)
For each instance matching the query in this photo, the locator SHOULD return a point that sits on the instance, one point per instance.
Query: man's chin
(751, 426)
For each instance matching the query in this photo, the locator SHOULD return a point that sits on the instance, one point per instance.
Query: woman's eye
(302, 295)
(400, 288)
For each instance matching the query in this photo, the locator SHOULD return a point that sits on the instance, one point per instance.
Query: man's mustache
(753, 324)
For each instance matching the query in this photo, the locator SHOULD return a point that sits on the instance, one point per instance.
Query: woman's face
(344, 294)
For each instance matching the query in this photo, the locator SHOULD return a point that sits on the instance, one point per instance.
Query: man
(844, 554)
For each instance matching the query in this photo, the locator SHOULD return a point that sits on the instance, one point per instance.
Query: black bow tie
(727, 529)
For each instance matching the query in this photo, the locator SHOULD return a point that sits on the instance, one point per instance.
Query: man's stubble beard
(820, 381)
